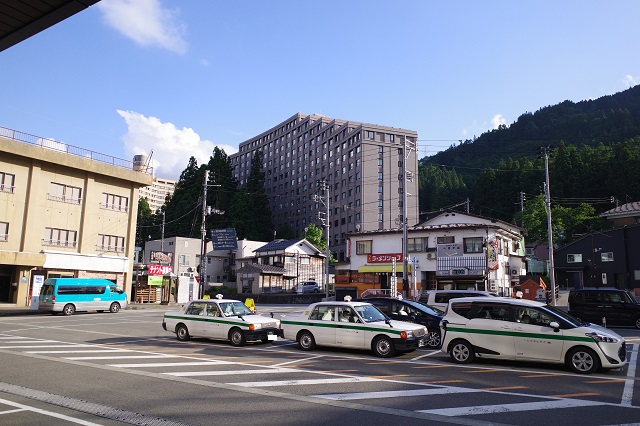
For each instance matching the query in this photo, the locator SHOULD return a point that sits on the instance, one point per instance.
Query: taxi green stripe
(204, 319)
(344, 325)
(548, 336)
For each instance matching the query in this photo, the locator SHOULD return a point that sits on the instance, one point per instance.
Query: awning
(382, 268)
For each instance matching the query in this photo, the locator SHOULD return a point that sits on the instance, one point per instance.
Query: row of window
(418, 245)
(68, 194)
(69, 238)
(577, 258)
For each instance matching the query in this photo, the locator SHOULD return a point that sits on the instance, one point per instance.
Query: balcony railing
(64, 199)
(58, 243)
(114, 207)
(4, 237)
(109, 248)
(72, 150)
(7, 188)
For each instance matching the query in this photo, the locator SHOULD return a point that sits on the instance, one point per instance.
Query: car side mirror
(555, 326)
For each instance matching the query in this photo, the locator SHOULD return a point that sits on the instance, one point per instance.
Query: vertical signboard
(224, 239)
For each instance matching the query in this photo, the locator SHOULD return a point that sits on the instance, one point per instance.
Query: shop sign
(159, 269)
(384, 258)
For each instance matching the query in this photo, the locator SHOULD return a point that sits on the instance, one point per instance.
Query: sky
(179, 77)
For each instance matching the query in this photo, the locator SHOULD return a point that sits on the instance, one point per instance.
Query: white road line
(171, 364)
(627, 393)
(298, 360)
(509, 408)
(304, 382)
(394, 394)
(425, 355)
(232, 372)
(48, 413)
(87, 358)
(90, 351)
(73, 345)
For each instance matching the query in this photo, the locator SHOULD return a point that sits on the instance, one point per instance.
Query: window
(446, 240)
(379, 175)
(110, 243)
(607, 257)
(364, 247)
(6, 182)
(416, 244)
(183, 260)
(4, 231)
(59, 237)
(114, 202)
(65, 193)
(574, 258)
(370, 135)
(473, 245)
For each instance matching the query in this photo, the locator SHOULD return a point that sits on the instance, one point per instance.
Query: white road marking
(627, 393)
(74, 345)
(425, 355)
(395, 394)
(86, 358)
(509, 408)
(171, 364)
(231, 372)
(23, 407)
(304, 382)
(90, 351)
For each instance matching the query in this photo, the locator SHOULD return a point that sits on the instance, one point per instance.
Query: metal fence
(72, 150)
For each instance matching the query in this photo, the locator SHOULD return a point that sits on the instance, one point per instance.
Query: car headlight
(599, 337)
(254, 327)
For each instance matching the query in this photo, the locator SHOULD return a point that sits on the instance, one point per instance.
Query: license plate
(272, 336)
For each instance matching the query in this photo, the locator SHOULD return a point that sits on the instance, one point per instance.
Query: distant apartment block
(363, 166)
(156, 193)
(64, 212)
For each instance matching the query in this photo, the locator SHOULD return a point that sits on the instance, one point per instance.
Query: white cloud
(146, 22)
(497, 121)
(172, 147)
(631, 81)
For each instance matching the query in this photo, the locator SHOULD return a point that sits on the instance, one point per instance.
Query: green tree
(222, 188)
(250, 212)
(315, 236)
(182, 215)
(144, 222)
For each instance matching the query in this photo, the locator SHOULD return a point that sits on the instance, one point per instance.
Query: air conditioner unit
(514, 272)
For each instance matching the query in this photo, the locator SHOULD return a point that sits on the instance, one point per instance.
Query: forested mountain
(595, 155)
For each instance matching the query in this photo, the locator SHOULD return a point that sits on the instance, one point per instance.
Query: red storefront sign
(384, 258)
(159, 269)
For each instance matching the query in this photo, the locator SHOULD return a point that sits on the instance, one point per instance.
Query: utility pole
(547, 199)
(203, 235)
(162, 237)
(324, 186)
(406, 177)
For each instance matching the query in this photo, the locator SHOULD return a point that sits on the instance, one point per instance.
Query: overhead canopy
(382, 268)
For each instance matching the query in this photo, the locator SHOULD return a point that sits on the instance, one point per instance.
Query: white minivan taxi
(519, 329)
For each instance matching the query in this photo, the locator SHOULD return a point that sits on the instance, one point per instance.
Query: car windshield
(575, 322)
(426, 308)
(370, 313)
(236, 308)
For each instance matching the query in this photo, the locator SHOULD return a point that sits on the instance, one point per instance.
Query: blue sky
(125, 77)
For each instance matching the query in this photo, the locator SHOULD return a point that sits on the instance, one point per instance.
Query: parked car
(440, 298)
(605, 305)
(307, 287)
(355, 325)
(519, 329)
(411, 311)
(220, 318)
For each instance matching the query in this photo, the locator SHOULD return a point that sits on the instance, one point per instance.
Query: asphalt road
(124, 369)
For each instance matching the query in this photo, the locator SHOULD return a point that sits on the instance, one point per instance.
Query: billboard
(224, 239)
(161, 257)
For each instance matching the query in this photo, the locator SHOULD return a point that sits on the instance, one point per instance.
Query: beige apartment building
(157, 193)
(64, 211)
(362, 168)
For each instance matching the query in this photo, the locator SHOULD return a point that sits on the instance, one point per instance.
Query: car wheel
(583, 360)
(306, 342)
(114, 308)
(637, 322)
(433, 338)
(462, 352)
(236, 337)
(182, 332)
(69, 309)
(383, 347)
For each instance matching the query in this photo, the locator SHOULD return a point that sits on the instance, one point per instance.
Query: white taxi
(519, 329)
(356, 325)
(224, 319)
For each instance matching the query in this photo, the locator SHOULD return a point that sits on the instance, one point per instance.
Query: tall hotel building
(360, 164)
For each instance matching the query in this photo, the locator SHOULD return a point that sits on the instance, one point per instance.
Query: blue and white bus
(68, 295)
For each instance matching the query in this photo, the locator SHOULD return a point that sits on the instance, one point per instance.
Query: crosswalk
(233, 371)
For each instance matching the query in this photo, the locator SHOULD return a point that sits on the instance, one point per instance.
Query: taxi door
(491, 331)
(324, 325)
(349, 330)
(211, 325)
(534, 338)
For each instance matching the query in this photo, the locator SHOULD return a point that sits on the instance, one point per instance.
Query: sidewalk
(11, 309)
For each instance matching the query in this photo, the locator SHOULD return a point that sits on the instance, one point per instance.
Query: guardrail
(72, 150)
